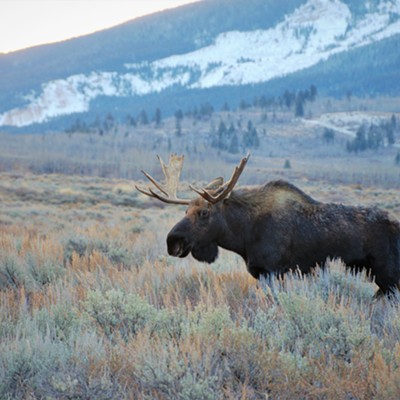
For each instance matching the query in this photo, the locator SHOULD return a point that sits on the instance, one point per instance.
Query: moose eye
(204, 213)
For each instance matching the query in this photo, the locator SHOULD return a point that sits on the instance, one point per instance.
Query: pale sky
(26, 23)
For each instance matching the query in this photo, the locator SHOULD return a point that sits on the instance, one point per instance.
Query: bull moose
(277, 227)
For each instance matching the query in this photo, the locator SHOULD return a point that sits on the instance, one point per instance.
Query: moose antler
(172, 172)
(214, 192)
(223, 191)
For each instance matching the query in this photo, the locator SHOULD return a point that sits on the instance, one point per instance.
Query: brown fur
(277, 227)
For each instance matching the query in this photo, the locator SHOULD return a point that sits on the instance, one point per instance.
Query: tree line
(235, 138)
(373, 136)
(289, 100)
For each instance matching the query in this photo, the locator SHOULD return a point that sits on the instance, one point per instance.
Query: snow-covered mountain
(313, 32)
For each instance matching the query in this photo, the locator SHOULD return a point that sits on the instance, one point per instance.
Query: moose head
(204, 226)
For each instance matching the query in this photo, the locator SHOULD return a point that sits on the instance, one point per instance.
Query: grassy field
(91, 307)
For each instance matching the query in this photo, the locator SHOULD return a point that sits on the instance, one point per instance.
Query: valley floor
(91, 306)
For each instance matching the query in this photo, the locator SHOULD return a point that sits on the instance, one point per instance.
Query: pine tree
(157, 117)
(142, 118)
(222, 128)
(287, 164)
(299, 112)
(397, 159)
(130, 121)
(220, 140)
(359, 143)
(393, 122)
(178, 122)
(234, 145)
(244, 105)
(288, 98)
(178, 127)
(250, 137)
(313, 92)
(179, 114)
(225, 107)
(255, 139)
(389, 130)
(328, 135)
(108, 122)
(231, 129)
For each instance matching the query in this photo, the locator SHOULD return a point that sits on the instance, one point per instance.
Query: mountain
(212, 51)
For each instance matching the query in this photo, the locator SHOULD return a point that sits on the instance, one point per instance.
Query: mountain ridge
(312, 33)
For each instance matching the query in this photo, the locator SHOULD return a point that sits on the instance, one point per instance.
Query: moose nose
(178, 240)
(176, 244)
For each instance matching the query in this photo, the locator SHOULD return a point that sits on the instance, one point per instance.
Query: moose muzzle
(179, 241)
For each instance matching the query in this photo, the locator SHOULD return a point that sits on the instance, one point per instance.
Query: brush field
(91, 307)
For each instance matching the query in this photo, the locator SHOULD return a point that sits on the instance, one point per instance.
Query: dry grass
(91, 307)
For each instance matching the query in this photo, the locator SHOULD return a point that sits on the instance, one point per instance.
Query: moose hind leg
(385, 263)
(389, 286)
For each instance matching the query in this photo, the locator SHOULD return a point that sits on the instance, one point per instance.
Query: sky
(26, 23)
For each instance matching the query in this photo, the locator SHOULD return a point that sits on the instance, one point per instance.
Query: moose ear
(215, 184)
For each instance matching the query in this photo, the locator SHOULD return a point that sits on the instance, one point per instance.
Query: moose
(276, 227)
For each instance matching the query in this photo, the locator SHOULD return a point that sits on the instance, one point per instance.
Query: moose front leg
(265, 270)
(256, 271)
(267, 280)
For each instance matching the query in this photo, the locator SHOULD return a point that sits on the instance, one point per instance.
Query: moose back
(277, 227)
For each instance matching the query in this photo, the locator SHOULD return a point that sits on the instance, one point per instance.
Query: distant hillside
(149, 38)
(370, 70)
(212, 51)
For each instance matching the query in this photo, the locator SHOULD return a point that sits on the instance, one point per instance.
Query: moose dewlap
(277, 227)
